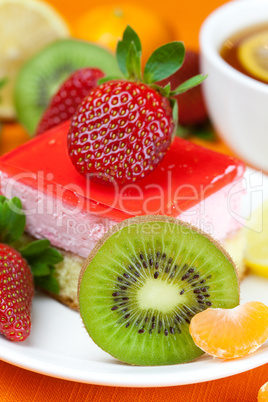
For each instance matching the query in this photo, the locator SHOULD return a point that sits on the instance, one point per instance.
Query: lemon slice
(253, 55)
(25, 27)
(256, 257)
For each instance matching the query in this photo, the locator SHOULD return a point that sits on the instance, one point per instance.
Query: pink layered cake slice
(192, 183)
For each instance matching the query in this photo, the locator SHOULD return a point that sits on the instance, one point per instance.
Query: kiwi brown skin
(150, 219)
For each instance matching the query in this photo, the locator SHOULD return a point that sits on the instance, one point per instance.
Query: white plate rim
(110, 372)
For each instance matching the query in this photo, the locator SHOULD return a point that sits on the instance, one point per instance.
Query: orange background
(18, 385)
(184, 17)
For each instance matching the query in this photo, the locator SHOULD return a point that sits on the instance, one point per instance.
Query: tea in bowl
(234, 54)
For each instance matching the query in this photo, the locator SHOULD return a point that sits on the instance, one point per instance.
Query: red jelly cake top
(187, 175)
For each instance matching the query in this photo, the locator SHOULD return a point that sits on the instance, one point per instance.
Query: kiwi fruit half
(144, 281)
(42, 75)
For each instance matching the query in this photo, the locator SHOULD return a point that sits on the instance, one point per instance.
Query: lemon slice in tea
(253, 55)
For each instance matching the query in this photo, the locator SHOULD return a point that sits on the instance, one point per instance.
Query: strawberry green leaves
(48, 282)
(191, 83)
(165, 91)
(133, 63)
(175, 113)
(40, 256)
(34, 248)
(108, 78)
(128, 54)
(12, 220)
(164, 61)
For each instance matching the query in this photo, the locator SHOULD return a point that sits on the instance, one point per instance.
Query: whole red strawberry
(122, 129)
(192, 108)
(16, 293)
(71, 93)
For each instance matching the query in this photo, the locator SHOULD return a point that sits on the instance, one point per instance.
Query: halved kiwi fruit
(145, 280)
(43, 74)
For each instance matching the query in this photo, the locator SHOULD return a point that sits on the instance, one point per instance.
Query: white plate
(60, 347)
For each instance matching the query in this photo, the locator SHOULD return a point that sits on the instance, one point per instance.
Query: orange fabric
(18, 385)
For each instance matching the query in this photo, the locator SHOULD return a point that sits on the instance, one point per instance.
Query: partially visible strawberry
(71, 93)
(34, 263)
(192, 108)
(122, 129)
(16, 293)
(125, 129)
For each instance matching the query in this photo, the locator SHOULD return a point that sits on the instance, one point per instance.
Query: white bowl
(237, 104)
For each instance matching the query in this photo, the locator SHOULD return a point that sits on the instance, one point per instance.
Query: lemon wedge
(256, 256)
(253, 55)
(25, 27)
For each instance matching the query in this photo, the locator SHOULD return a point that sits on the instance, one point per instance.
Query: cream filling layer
(79, 231)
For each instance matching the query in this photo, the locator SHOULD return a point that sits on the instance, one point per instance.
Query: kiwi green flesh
(140, 288)
(42, 75)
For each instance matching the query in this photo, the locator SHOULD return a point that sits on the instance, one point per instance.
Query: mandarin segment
(231, 333)
(263, 393)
